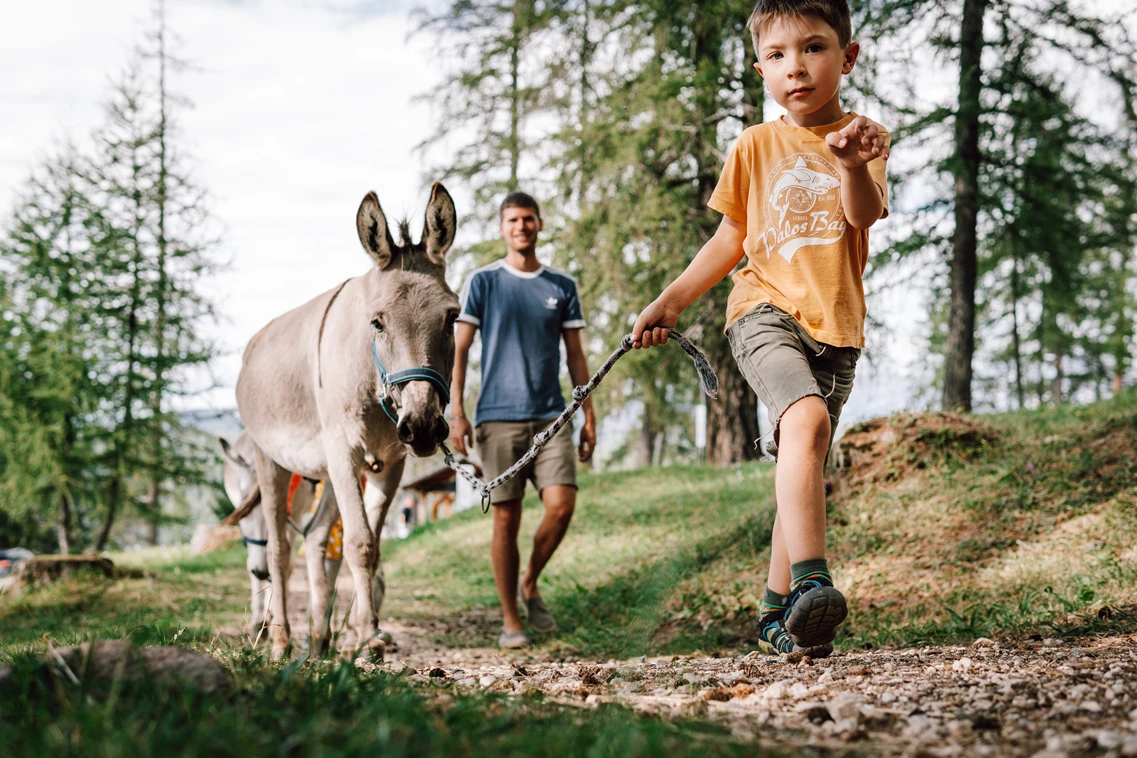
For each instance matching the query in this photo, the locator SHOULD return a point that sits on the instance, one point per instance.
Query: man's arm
(460, 430)
(578, 371)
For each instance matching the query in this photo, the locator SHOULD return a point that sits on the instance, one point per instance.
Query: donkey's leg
(257, 607)
(320, 580)
(359, 547)
(385, 486)
(274, 498)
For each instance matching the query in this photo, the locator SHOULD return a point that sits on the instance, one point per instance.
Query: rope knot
(626, 343)
(579, 393)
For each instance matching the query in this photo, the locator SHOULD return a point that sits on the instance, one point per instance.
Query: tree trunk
(1117, 383)
(732, 419)
(515, 97)
(114, 494)
(1020, 393)
(157, 474)
(1056, 387)
(961, 323)
(647, 435)
(64, 527)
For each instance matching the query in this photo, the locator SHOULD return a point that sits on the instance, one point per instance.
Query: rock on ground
(106, 660)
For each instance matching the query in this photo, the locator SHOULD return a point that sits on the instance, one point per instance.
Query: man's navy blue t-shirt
(521, 315)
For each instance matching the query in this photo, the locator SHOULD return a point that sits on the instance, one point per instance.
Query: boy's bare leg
(779, 579)
(506, 558)
(803, 441)
(560, 502)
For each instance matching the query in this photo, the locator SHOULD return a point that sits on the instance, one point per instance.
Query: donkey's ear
(232, 454)
(441, 222)
(374, 232)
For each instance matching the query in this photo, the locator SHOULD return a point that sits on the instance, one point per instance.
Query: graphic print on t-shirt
(803, 197)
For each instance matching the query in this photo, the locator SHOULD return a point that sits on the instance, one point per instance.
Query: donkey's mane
(405, 233)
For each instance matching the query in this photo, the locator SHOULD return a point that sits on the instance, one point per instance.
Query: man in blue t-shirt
(524, 310)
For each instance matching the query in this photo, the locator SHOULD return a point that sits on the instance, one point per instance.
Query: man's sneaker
(772, 630)
(814, 611)
(535, 610)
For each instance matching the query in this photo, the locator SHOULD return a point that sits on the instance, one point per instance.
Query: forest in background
(1012, 200)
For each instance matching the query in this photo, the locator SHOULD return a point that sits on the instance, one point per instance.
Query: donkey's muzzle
(260, 573)
(423, 435)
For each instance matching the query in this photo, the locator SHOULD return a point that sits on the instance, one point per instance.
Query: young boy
(798, 196)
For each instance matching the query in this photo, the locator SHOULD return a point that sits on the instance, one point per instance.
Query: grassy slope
(1005, 525)
(1010, 524)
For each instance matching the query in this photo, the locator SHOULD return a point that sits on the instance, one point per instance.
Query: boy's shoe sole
(815, 616)
(817, 651)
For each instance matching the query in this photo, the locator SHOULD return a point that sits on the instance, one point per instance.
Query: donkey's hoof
(280, 651)
(388, 640)
(376, 648)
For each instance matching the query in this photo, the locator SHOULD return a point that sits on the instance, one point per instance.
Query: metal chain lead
(707, 378)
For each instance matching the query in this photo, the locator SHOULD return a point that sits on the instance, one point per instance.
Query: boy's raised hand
(858, 143)
(652, 325)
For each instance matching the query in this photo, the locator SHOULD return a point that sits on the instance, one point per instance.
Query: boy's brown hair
(833, 12)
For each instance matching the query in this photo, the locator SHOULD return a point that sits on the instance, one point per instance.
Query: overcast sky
(300, 108)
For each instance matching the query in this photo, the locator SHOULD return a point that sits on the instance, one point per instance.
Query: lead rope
(707, 379)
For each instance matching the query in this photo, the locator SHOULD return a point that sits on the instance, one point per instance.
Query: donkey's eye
(377, 325)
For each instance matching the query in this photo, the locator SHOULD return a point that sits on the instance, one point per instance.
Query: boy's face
(802, 63)
(519, 229)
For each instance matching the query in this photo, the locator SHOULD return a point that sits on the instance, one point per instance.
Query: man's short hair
(833, 12)
(518, 200)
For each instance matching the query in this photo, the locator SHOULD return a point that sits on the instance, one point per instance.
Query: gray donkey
(344, 384)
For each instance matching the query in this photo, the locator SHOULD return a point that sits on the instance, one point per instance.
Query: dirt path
(1045, 699)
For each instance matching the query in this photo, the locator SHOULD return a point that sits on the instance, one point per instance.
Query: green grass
(322, 709)
(635, 539)
(163, 594)
(1020, 528)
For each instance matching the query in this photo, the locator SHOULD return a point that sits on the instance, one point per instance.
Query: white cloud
(300, 108)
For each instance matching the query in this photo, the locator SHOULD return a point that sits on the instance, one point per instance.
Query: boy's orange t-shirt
(781, 181)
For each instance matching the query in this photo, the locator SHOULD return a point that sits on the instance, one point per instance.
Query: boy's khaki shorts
(783, 364)
(502, 443)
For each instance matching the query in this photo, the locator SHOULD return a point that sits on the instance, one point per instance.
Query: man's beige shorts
(502, 443)
(783, 364)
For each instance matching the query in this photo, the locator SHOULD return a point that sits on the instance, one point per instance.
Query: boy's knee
(807, 420)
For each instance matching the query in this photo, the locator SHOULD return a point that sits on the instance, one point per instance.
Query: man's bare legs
(559, 502)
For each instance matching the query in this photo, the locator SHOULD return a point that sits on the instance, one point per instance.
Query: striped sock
(814, 568)
(772, 602)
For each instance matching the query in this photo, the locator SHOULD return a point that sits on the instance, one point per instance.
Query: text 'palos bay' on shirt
(782, 183)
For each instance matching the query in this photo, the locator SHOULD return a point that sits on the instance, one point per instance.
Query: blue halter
(418, 373)
(258, 543)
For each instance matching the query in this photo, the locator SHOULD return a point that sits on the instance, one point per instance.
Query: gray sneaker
(513, 640)
(536, 611)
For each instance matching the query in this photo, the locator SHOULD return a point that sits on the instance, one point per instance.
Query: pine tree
(983, 41)
(55, 351)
